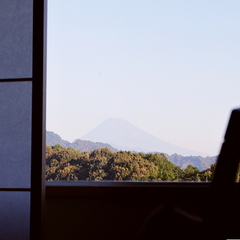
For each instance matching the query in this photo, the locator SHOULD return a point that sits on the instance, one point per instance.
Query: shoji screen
(22, 118)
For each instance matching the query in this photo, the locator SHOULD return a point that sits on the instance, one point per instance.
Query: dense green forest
(200, 162)
(104, 164)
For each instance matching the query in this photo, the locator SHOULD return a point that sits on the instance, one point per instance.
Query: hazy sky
(171, 68)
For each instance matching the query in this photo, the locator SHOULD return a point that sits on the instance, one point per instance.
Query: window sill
(120, 188)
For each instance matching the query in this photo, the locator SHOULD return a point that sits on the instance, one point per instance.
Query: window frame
(112, 188)
(38, 118)
(119, 188)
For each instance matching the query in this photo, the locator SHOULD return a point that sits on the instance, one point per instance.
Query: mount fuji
(125, 136)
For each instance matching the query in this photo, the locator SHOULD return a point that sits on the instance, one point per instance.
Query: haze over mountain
(200, 162)
(125, 136)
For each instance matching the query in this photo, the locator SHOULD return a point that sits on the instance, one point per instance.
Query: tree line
(104, 164)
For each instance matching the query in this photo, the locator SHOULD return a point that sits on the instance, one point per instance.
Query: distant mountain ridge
(82, 145)
(53, 139)
(200, 162)
(125, 136)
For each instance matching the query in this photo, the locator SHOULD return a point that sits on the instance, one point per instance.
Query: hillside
(200, 162)
(104, 164)
(53, 139)
(81, 145)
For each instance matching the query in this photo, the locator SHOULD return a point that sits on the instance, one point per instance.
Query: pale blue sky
(169, 67)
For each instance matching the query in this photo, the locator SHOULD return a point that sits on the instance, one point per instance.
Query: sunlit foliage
(104, 164)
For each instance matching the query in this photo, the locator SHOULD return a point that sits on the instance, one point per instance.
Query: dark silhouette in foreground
(220, 219)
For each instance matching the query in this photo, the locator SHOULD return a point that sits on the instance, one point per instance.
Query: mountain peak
(123, 135)
(116, 121)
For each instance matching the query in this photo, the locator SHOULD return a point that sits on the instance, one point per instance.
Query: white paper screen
(15, 134)
(16, 27)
